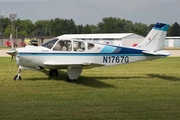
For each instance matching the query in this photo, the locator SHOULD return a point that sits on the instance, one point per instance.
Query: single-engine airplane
(75, 55)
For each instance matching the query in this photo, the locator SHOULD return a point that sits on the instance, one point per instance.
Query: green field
(141, 91)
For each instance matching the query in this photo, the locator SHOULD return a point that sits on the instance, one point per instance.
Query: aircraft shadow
(165, 77)
(82, 80)
(97, 81)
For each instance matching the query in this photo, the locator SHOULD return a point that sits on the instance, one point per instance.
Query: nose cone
(11, 52)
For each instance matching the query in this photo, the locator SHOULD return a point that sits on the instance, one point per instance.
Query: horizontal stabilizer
(159, 53)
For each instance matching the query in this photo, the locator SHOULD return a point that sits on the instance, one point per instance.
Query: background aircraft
(75, 55)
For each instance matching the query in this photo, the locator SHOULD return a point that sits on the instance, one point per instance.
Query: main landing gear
(53, 73)
(73, 73)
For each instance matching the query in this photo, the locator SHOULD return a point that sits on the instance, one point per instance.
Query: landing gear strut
(18, 77)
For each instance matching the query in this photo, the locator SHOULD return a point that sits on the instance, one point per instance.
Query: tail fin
(154, 41)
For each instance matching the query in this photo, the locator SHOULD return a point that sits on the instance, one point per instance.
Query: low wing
(86, 65)
(158, 53)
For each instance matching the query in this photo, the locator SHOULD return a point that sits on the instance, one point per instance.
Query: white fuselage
(100, 55)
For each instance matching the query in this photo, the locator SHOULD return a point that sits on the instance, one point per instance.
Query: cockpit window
(50, 43)
(63, 45)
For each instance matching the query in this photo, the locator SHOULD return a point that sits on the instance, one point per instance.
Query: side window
(90, 46)
(78, 46)
(63, 45)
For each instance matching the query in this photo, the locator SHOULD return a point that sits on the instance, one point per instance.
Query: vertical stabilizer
(154, 41)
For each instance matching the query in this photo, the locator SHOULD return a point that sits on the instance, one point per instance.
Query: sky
(92, 11)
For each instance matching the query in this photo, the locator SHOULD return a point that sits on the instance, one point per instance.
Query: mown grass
(4, 48)
(146, 90)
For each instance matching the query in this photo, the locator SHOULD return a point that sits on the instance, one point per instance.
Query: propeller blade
(11, 57)
(11, 52)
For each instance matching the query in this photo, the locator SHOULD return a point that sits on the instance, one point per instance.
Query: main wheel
(17, 78)
(53, 73)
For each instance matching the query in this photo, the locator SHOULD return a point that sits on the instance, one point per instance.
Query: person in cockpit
(63, 47)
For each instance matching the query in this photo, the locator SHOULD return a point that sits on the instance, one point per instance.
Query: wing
(85, 65)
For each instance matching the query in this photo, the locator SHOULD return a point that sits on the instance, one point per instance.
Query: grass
(146, 90)
(4, 48)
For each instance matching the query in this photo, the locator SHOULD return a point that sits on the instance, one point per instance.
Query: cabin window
(90, 46)
(63, 45)
(78, 46)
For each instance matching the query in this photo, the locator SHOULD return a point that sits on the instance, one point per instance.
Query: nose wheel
(17, 77)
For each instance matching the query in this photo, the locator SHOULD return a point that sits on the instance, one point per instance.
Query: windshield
(50, 43)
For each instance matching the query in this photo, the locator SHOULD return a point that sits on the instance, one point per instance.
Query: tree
(22, 33)
(115, 25)
(174, 30)
(7, 31)
(140, 29)
(86, 29)
(24, 27)
(63, 26)
(42, 28)
(6, 23)
(79, 29)
(110, 25)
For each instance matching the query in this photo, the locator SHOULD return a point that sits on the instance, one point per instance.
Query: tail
(154, 41)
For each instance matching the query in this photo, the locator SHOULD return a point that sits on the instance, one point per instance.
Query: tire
(16, 78)
(53, 73)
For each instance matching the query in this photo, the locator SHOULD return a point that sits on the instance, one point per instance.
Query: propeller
(12, 51)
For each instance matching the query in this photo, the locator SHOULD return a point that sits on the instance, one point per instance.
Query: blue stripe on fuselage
(83, 54)
(108, 51)
(80, 54)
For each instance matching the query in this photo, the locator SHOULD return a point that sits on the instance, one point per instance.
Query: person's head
(61, 43)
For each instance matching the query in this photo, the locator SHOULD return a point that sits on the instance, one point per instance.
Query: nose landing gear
(18, 77)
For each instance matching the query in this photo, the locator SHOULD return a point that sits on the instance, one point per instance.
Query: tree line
(57, 27)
